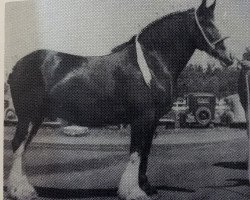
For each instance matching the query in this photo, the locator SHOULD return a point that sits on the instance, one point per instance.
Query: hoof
(21, 194)
(136, 194)
(142, 198)
(21, 191)
(155, 196)
(147, 188)
(136, 198)
(150, 191)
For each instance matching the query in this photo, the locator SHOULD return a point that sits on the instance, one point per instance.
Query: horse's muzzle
(228, 60)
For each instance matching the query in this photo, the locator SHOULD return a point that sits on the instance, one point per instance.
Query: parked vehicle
(200, 110)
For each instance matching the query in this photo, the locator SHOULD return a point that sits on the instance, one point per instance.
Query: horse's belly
(94, 117)
(82, 100)
(83, 112)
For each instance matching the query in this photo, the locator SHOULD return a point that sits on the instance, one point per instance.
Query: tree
(246, 55)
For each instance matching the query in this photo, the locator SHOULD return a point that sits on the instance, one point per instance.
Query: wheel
(203, 116)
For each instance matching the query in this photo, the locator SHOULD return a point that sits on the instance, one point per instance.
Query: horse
(131, 85)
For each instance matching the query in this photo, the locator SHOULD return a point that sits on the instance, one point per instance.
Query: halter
(211, 44)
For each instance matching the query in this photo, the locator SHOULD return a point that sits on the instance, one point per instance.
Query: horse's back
(42, 66)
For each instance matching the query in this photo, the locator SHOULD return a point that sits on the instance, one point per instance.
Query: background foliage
(218, 80)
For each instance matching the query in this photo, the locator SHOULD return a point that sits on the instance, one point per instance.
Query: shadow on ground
(87, 193)
(232, 165)
(234, 182)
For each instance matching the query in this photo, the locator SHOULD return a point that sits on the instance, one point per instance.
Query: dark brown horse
(111, 89)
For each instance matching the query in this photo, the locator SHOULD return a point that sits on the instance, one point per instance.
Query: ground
(184, 164)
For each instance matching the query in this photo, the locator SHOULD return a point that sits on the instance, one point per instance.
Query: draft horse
(111, 89)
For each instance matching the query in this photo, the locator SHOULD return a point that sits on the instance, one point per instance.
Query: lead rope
(247, 118)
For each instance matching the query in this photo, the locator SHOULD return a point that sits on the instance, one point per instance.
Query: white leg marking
(129, 185)
(18, 185)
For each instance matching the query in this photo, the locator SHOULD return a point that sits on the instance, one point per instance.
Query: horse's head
(208, 37)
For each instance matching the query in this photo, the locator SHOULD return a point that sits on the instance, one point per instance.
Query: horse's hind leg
(18, 185)
(35, 127)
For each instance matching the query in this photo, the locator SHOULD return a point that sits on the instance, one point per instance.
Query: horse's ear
(202, 8)
(205, 11)
(210, 10)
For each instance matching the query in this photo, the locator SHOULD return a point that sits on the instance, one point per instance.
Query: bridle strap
(211, 44)
(219, 40)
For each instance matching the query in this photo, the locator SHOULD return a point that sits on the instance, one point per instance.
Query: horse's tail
(27, 83)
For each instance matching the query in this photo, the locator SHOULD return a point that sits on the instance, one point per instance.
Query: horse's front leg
(129, 186)
(143, 179)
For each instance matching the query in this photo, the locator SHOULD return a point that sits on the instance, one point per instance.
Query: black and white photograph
(126, 100)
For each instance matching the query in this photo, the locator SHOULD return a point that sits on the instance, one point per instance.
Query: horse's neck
(176, 61)
(172, 53)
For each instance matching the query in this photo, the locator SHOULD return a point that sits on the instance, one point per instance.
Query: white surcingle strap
(142, 63)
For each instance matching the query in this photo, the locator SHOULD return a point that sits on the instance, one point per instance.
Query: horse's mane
(168, 16)
(132, 40)
(123, 45)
